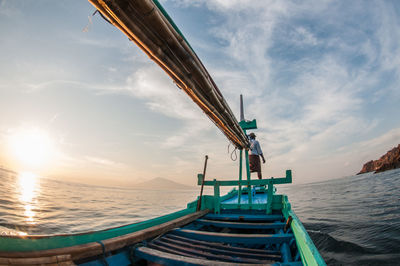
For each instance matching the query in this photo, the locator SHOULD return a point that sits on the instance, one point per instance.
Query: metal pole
(241, 108)
(202, 184)
(240, 176)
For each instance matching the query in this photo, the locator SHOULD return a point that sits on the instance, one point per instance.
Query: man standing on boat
(255, 154)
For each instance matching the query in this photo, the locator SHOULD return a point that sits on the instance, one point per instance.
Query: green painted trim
(254, 182)
(166, 15)
(270, 194)
(20, 244)
(246, 125)
(217, 198)
(308, 252)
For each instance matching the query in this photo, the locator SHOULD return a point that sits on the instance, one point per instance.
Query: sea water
(352, 221)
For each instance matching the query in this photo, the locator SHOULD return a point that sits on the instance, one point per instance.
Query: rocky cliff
(390, 160)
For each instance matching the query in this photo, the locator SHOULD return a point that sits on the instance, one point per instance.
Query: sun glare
(31, 148)
(28, 190)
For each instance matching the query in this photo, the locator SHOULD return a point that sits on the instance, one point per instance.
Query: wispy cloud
(104, 162)
(309, 70)
(8, 10)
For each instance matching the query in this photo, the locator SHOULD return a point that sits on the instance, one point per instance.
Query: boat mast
(245, 125)
(241, 108)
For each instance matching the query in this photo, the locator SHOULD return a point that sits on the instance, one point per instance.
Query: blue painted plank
(244, 217)
(121, 258)
(297, 263)
(285, 250)
(229, 224)
(234, 238)
(259, 198)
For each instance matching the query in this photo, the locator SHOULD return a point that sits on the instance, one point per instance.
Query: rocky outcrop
(390, 160)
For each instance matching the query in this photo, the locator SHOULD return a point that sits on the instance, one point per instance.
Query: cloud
(309, 71)
(32, 87)
(104, 162)
(8, 10)
(152, 85)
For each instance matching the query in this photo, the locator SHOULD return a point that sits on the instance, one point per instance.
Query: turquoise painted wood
(308, 252)
(255, 182)
(240, 175)
(247, 125)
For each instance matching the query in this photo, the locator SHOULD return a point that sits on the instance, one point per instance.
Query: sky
(320, 77)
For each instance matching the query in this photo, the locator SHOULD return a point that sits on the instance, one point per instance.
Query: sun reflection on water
(28, 188)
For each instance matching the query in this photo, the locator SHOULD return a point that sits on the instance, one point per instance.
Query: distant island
(160, 183)
(391, 160)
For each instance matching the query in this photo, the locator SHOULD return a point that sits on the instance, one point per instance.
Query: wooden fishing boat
(252, 224)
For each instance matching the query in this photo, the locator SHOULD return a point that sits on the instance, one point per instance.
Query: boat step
(244, 217)
(166, 258)
(234, 238)
(240, 225)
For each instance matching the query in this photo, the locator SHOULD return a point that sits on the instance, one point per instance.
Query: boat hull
(211, 236)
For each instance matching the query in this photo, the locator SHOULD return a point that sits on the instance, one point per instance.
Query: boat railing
(249, 189)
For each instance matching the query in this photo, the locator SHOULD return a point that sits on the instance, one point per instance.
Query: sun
(31, 147)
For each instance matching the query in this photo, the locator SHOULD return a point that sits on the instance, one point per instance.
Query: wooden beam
(53, 260)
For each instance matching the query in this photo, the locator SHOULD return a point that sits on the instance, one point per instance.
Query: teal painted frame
(248, 183)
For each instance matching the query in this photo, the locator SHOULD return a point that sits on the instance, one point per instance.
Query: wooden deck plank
(228, 252)
(222, 246)
(207, 254)
(165, 258)
(173, 251)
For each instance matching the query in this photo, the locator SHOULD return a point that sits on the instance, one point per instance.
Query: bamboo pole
(153, 33)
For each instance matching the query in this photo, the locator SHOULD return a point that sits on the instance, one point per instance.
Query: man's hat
(252, 135)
